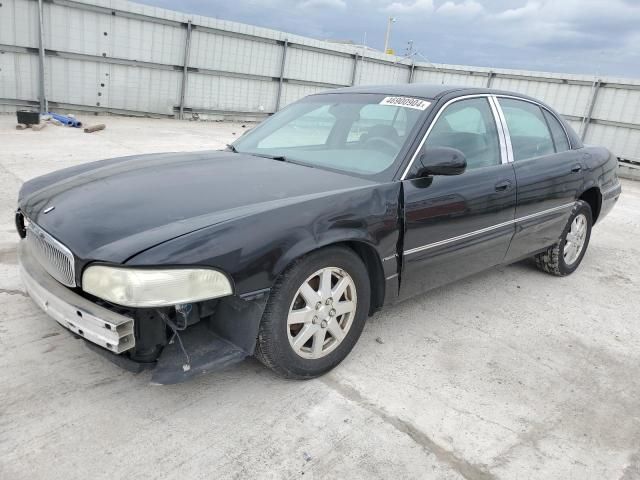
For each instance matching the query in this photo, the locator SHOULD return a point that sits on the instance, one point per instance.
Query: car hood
(113, 209)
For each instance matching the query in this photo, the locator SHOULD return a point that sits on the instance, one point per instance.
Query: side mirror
(441, 161)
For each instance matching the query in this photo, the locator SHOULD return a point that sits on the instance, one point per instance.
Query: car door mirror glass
(441, 161)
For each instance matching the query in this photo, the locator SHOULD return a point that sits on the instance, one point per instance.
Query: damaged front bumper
(97, 324)
(225, 336)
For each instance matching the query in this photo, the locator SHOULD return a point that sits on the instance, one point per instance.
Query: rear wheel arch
(593, 197)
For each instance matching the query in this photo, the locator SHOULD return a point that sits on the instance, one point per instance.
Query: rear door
(458, 225)
(548, 174)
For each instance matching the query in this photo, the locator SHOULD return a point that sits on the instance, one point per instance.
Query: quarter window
(557, 132)
(530, 136)
(469, 126)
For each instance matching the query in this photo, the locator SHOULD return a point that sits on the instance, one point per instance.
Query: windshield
(357, 133)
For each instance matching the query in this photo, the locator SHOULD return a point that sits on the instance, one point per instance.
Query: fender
(254, 249)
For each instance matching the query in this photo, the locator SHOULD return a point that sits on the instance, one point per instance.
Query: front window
(469, 126)
(362, 134)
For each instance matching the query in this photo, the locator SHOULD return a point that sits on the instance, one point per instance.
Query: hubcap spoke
(305, 334)
(309, 294)
(344, 307)
(325, 284)
(318, 341)
(339, 289)
(335, 330)
(304, 315)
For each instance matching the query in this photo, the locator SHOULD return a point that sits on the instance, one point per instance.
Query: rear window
(530, 135)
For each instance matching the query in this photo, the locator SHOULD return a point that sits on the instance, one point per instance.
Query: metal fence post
(490, 77)
(44, 107)
(412, 70)
(185, 68)
(285, 45)
(592, 103)
(355, 69)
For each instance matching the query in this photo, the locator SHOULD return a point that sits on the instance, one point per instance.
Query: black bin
(28, 117)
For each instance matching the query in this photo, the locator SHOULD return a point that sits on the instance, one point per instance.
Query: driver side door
(459, 225)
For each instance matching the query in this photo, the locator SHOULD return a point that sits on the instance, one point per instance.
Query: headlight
(148, 287)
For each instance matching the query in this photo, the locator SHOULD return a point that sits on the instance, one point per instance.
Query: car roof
(423, 90)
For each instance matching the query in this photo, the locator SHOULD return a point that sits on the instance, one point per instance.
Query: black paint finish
(439, 209)
(251, 217)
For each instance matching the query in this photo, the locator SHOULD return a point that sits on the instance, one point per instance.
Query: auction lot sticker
(407, 102)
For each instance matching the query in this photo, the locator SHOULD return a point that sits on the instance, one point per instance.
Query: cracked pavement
(508, 374)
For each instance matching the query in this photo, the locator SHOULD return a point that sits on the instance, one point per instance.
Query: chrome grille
(54, 257)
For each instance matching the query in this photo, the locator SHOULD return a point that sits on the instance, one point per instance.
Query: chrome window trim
(541, 105)
(504, 156)
(435, 119)
(505, 129)
(488, 229)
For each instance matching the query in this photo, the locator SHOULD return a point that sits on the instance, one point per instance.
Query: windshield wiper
(280, 158)
(232, 148)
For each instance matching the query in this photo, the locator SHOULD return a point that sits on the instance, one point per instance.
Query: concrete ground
(510, 374)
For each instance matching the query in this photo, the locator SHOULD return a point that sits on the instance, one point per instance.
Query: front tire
(315, 314)
(564, 257)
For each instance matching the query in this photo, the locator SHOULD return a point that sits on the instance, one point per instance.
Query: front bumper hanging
(223, 338)
(96, 324)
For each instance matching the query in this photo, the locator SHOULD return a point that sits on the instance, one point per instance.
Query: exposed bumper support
(97, 324)
(222, 339)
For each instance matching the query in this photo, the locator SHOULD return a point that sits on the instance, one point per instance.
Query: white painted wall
(114, 55)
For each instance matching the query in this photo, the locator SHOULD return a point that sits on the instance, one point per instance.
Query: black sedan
(283, 245)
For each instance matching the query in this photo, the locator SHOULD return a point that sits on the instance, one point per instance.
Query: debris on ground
(38, 127)
(68, 120)
(306, 456)
(28, 117)
(95, 128)
(21, 126)
(379, 340)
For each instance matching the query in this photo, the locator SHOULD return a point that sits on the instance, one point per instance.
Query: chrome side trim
(390, 257)
(541, 105)
(391, 277)
(545, 212)
(488, 229)
(433, 122)
(459, 237)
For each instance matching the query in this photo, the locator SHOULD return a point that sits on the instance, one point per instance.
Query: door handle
(576, 168)
(503, 186)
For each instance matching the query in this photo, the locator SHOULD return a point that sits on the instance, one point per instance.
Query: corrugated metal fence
(128, 58)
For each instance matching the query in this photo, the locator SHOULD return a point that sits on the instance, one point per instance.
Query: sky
(595, 37)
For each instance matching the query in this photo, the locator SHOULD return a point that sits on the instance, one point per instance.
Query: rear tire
(315, 314)
(563, 257)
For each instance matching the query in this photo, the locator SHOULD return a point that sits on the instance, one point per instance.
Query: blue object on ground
(68, 121)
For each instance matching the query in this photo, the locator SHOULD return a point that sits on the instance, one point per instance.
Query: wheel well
(371, 260)
(593, 197)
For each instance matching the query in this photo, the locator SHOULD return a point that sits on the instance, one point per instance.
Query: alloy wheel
(321, 313)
